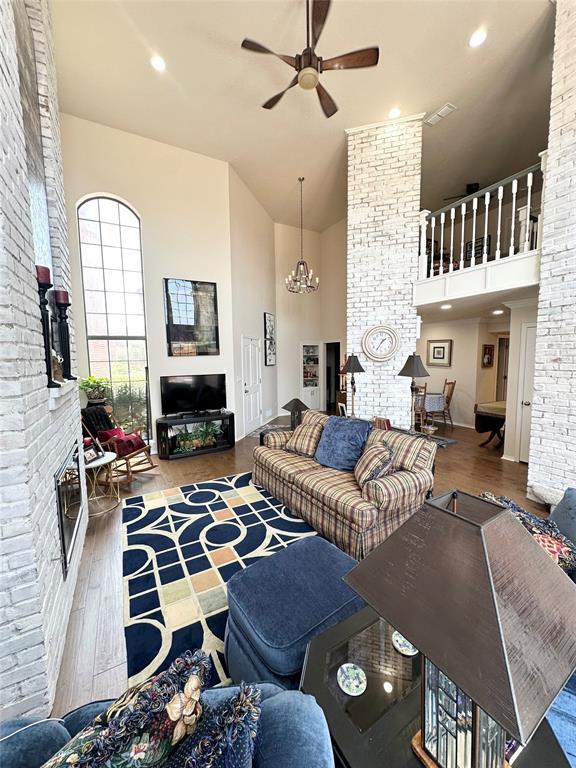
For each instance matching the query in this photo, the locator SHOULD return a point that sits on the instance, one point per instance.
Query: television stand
(192, 434)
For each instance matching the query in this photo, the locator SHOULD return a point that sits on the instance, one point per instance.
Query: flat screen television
(193, 394)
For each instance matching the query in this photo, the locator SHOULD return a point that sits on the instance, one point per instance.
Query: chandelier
(301, 279)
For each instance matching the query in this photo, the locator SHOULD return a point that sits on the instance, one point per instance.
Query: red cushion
(129, 444)
(107, 434)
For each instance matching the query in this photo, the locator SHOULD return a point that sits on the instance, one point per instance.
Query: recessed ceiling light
(477, 38)
(388, 687)
(158, 63)
(394, 113)
(497, 311)
(445, 306)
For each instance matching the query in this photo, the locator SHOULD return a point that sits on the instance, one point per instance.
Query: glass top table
(390, 675)
(375, 729)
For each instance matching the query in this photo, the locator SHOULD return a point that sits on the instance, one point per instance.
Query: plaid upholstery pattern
(284, 464)
(305, 439)
(331, 501)
(315, 417)
(339, 491)
(405, 487)
(410, 452)
(277, 439)
(376, 461)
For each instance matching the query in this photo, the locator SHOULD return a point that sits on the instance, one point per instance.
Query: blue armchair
(292, 731)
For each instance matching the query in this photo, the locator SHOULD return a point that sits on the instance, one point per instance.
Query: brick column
(384, 164)
(552, 465)
(38, 427)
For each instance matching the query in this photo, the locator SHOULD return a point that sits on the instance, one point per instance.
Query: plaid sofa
(331, 501)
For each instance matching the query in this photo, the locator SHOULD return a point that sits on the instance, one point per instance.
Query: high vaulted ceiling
(208, 99)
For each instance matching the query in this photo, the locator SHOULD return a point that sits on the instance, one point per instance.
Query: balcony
(486, 242)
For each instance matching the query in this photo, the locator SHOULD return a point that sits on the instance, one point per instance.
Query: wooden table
(374, 730)
(490, 417)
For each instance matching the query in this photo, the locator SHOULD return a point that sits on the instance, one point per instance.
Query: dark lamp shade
(295, 405)
(413, 368)
(352, 365)
(467, 584)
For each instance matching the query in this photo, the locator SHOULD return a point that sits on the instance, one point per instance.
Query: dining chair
(420, 414)
(342, 410)
(448, 392)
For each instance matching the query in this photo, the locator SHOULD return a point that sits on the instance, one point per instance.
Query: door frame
(525, 325)
(259, 340)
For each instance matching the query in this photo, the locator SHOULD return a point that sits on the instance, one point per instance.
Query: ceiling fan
(309, 66)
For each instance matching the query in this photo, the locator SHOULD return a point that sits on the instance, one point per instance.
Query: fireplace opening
(70, 506)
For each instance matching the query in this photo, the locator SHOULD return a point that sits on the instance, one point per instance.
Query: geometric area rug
(180, 547)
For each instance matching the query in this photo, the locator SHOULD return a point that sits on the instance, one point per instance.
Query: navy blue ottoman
(277, 605)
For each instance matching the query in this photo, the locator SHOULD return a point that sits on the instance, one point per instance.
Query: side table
(100, 472)
(374, 730)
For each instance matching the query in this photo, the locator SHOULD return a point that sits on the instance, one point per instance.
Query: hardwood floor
(94, 661)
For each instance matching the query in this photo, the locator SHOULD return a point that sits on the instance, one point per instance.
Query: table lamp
(413, 367)
(296, 408)
(493, 616)
(352, 365)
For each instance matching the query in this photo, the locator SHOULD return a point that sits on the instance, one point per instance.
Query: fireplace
(69, 502)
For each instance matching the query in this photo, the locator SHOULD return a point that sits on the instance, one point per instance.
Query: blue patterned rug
(180, 547)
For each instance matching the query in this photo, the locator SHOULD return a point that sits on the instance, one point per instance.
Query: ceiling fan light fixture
(308, 78)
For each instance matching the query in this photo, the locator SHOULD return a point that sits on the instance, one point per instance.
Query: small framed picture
(269, 339)
(487, 355)
(89, 455)
(270, 351)
(439, 353)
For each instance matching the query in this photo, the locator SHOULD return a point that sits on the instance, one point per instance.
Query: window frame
(109, 337)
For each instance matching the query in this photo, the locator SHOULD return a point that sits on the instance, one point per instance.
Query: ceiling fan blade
(326, 101)
(320, 10)
(275, 99)
(250, 45)
(366, 57)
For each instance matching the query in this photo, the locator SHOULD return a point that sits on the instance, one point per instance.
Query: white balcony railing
(495, 223)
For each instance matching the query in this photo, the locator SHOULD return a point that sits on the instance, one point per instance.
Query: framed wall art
(487, 355)
(191, 313)
(269, 338)
(439, 353)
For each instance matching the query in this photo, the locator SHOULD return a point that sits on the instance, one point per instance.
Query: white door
(527, 352)
(252, 380)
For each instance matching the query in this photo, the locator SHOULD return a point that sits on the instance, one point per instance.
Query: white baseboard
(505, 457)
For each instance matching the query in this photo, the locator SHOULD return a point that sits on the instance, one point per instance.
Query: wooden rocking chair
(132, 453)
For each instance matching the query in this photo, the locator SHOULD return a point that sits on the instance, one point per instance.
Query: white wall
(253, 288)
(298, 316)
(333, 284)
(464, 335)
(182, 199)
(486, 377)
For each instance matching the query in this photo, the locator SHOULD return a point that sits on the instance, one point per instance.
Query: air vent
(440, 114)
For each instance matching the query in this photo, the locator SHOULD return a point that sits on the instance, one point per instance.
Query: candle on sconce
(42, 274)
(61, 297)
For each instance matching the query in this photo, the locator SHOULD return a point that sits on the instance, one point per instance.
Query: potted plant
(96, 389)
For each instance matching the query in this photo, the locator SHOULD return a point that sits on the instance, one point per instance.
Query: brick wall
(552, 463)
(384, 164)
(37, 427)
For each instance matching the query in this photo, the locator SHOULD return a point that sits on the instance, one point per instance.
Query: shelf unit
(191, 434)
(312, 374)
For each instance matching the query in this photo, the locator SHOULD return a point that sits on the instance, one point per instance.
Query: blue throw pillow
(225, 736)
(342, 443)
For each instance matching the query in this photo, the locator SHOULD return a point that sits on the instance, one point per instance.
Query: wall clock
(380, 342)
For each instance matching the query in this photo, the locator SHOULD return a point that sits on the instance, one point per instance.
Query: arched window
(111, 257)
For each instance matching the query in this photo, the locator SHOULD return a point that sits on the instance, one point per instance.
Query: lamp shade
(467, 584)
(413, 367)
(352, 365)
(295, 405)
